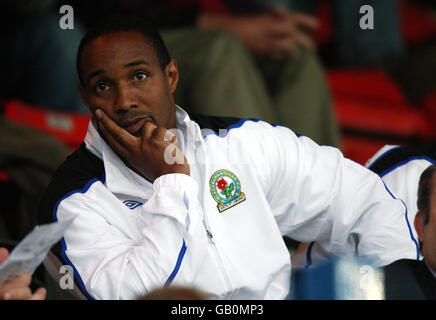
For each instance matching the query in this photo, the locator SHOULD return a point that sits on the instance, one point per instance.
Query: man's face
(428, 234)
(122, 77)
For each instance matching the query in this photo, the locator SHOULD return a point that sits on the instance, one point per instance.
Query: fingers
(284, 46)
(144, 154)
(23, 293)
(296, 29)
(17, 293)
(294, 19)
(149, 129)
(21, 281)
(39, 294)
(4, 254)
(117, 137)
(17, 288)
(305, 21)
(281, 28)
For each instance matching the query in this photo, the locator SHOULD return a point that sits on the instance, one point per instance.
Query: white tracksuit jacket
(400, 168)
(130, 236)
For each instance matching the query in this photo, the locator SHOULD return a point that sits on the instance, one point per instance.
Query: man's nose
(125, 98)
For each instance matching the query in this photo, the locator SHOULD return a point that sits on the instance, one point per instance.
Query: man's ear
(419, 226)
(172, 73)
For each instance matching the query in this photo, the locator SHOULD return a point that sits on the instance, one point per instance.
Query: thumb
(4, 254)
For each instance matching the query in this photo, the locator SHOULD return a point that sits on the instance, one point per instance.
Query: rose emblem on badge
(226, 189)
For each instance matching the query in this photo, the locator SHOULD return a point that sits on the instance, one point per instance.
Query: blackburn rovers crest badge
(226, 189)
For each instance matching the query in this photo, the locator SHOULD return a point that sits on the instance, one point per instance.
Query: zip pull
(209, 234)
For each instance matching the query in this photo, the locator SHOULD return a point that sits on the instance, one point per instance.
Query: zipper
(220, 261)
(209, 234)
(205, 222)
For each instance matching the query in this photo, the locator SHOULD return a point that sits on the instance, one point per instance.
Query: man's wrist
(176, 180)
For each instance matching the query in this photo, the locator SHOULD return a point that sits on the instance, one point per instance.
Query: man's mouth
(134, 127)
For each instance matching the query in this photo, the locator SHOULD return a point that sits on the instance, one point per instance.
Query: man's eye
(140, 75)
(101, 87)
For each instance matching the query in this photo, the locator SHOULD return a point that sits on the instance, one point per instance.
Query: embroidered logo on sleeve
(132, 204)
(226, 189)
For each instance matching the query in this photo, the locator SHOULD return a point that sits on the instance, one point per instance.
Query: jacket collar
(120, 179)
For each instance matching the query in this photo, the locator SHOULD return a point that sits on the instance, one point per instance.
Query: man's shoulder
(214, 123)
(74, 173)
(409, 279)
(221, 125)
(399, 155)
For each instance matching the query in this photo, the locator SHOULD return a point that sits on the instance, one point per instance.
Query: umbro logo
(132, 204)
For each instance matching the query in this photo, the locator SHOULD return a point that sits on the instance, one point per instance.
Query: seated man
(161, 201)
(411, 279)
(400, 168)
(18, 288)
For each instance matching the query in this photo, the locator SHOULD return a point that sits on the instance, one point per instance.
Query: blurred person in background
(38, 57)
(352, 46)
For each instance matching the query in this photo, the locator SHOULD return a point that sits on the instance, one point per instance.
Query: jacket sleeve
(316, 194)
(101, 245)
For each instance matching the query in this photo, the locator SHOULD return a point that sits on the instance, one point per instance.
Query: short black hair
(125, 23)
(425, 188)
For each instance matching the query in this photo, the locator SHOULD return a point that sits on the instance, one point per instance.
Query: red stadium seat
(4, 176)
(417, 22)
(70, 128)
(372, 112)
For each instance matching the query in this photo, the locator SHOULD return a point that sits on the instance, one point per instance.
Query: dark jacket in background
(409, 279)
